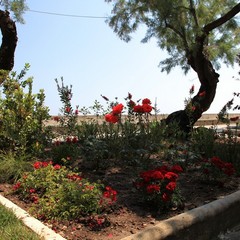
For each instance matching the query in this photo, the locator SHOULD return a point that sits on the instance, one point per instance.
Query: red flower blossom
(37, 165)
(32, 190)
(111, 194)
(17, 186)
(76, 112)
(138, 109)
(67, 109)
(171, 186)
(57, 167)
(34, 199)
(146, 101)
(202, 94)
(68, 140)
(111, 118)
(146, 108)
(117, 109)
(157, 175)
(171, 176)
(153, 188)
(74, 177)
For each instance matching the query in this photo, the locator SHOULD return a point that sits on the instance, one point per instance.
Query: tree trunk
(202, 101)
(9, 41)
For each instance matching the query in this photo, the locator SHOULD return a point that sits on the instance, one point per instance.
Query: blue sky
(88, 54)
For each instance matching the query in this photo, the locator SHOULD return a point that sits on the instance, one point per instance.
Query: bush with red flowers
(158, 187)
(215, 169)
(57, 192)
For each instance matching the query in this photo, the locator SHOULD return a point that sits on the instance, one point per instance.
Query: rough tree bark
(207, 76)
(9, 41)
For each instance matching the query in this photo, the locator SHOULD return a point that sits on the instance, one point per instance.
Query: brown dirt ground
(130, 215)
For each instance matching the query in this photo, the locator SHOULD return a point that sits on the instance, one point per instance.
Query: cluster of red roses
(115, 114)
(39, 164)
(215, 163)
(110, 194)
(159, 182)
(145, 107)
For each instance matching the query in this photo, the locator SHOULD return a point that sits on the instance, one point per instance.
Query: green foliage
(18, 7)
(65, 153)
(68, 118)
(178, 25)
(58, 193)
(22, 115)
(12, 167)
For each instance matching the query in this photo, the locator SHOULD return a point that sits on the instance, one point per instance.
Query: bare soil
(130, 215)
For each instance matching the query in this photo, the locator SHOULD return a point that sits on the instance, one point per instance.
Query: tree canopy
(177, 24)
(17, 7)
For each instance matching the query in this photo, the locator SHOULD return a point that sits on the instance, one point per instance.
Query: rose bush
(58, 193)
(158, 187)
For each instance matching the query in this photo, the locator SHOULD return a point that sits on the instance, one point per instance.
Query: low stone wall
(206, 119)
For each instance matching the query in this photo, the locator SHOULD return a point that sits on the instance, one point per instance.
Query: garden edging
(202, 223)
(35, 225)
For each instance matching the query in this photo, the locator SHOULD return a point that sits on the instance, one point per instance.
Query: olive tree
(197, 34)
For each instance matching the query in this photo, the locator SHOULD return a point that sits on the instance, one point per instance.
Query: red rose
(171, 176)
(37, 165)
(146, 101)
(138, 109)
(67, 109)
(111, 118)
(57, 167)
(146, 108)
(117, 109)
(153, 188)
(171, 186)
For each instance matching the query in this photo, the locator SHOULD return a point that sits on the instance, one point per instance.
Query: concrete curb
(38, 227)
(202, 223)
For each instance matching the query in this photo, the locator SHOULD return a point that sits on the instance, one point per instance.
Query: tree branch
(220, 21)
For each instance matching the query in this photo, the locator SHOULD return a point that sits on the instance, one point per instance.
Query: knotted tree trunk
(202, 101)
(206, 75)
(9, 41)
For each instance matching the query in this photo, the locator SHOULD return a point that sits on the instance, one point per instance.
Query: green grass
(11, 228)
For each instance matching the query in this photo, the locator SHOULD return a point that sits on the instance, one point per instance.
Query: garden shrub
(12, 166)
(158, 187)
(22, 115)
(58, 193)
